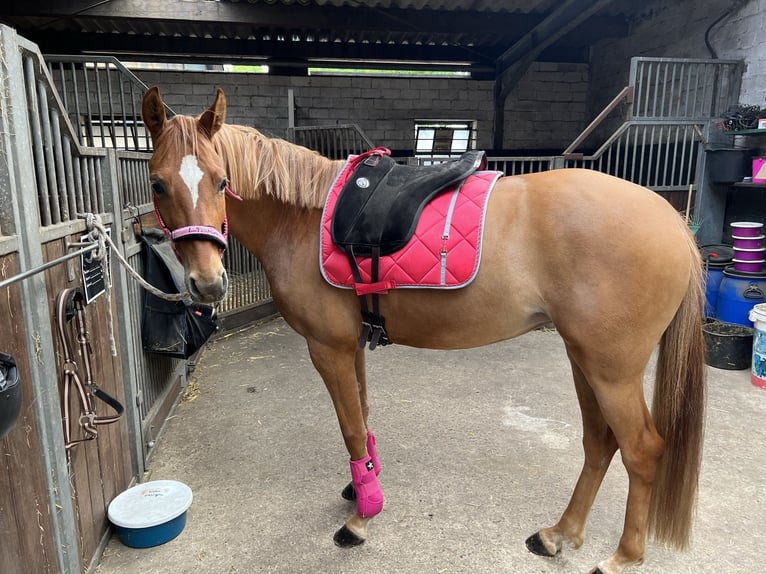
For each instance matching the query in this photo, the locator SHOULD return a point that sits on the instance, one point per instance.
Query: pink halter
(190, 232)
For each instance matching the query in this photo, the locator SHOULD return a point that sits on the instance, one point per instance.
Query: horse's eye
(222, 185)
(158, 188)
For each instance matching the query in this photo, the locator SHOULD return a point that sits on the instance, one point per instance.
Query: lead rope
(97, 233)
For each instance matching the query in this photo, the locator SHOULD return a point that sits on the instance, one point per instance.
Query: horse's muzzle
(207, 290)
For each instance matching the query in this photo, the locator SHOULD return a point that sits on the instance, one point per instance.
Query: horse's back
(577, 247)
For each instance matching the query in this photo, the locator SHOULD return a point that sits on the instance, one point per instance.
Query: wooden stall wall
(25, 544)
(53, 502)
(99, 469)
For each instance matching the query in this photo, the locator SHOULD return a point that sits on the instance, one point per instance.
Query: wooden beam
(514, 63)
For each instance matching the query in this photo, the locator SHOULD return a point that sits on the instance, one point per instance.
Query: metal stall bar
(126, 311)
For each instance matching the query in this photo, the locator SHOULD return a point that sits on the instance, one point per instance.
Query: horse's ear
(213, 118)
(153, 111)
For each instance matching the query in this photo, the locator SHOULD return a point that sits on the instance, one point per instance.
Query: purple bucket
(748, 254)
(749, 266)
(748, 242)
(746, 228)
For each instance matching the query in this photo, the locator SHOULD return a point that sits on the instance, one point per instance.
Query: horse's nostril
(204, 290)
(193, 289)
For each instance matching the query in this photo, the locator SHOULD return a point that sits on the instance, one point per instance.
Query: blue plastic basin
(151, 513)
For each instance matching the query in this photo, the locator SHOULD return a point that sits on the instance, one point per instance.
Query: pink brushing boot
(372, 451)
(349, 492)
(369, 497)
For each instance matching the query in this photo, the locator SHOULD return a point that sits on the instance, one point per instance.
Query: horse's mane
(258, 164)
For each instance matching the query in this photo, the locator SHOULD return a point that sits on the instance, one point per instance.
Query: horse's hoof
(535, 546)
(346, 539)
(349, 493)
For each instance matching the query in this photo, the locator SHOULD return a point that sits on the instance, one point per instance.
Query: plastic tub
(727, 346)
(758, 363)
(151, 513)
(748, 242)
(727, 165)
(749, 266)
(746, 228)
(748, 254)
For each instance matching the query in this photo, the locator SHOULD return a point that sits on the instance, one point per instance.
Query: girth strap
(70, 303)
(373, 324)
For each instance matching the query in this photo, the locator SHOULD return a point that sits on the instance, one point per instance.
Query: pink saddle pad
(444, 252)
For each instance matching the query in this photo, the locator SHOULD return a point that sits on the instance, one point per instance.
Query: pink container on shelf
(748, 242)
(741, 254)
(759, 169)
(746, 228)
(749, 266)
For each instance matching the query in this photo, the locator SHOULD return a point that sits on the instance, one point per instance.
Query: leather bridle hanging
(71, 303)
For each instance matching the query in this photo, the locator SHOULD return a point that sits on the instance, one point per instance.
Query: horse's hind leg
(616, 386)
(641, 448)
(599, 445)
(338, 368)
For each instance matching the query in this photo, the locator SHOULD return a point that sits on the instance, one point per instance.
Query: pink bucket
(746, 228)
(749, 266)
(747, 242)
(748, 254)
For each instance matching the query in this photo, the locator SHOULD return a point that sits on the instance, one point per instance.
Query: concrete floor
(479, 449)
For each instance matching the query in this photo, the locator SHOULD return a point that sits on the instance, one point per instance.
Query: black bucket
(10, 394)
(727, 346)
(729, 164)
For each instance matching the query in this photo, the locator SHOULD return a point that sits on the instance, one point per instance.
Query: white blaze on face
(192, 175)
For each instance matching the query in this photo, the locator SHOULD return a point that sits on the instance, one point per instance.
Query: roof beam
(168, 48)
(277, 15)
(514, 63)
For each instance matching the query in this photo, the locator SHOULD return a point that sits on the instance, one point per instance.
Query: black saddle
(379, 206)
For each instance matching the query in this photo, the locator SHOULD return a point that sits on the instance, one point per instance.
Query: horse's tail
(678, 410)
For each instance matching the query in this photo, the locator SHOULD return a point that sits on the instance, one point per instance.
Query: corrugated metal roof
(290, 31)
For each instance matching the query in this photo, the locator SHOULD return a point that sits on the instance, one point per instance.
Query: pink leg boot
(369, 497)
(372, 451)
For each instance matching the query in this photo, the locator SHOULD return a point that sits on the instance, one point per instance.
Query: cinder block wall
(546, 110)
(677, 30)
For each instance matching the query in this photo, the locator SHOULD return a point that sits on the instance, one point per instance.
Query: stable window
(444, 139)
(119, 133)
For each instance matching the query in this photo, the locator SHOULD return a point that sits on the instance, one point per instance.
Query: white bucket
(758, 366)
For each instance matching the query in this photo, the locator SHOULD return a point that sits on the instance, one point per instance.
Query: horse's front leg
(338, 368)
(360, 367)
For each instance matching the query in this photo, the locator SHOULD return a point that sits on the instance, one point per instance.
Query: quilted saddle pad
(444, 252)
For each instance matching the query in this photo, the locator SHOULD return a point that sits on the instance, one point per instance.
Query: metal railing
(334, 142)
(103, 100)
(669, 101)
(659, 155)
(683, 88)
(68, 175)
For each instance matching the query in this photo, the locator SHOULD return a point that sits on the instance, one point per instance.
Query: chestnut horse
(609, 263)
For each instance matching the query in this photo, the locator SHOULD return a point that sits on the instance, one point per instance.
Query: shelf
(749, 185)
(753, 132)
